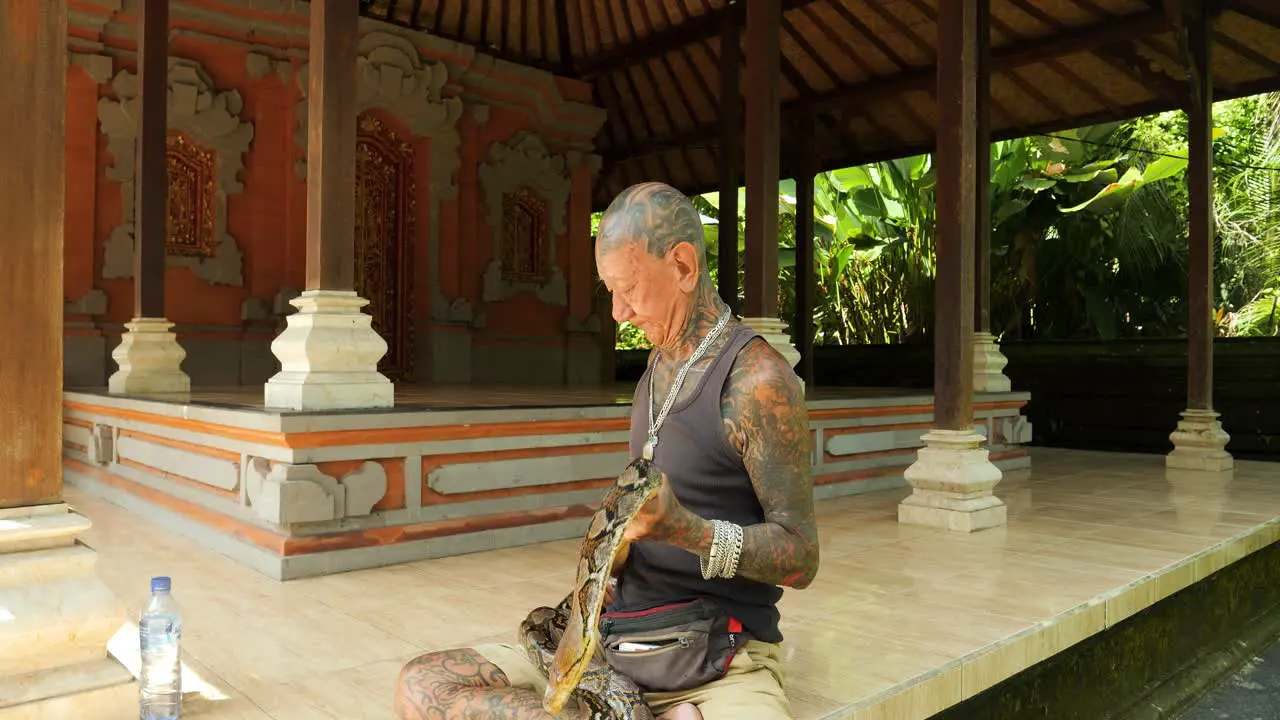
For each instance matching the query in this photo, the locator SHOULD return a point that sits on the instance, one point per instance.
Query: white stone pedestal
(953, 479)
(150, 360)
(55, 620)
(988, 365)
(329, 355)
(1199, 443)
(775, 332)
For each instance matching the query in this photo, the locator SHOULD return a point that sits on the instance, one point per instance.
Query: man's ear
(685, 261)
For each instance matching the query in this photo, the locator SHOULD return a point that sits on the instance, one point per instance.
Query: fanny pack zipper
(654, 618)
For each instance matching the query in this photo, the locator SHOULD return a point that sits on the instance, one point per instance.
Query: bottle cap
(160, 584)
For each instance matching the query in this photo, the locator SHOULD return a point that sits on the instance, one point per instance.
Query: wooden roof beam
(1261, 10)
(694, 30)
(484, 46)
(1014, 55)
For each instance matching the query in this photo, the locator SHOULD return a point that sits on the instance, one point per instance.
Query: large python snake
(562, 641)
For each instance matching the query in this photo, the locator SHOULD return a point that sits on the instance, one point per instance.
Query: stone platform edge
(309, 503)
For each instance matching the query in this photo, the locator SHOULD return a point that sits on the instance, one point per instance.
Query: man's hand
(664, 519)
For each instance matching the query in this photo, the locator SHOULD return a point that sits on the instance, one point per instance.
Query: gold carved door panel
(384, 240)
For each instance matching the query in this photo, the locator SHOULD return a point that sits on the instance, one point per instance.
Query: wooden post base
(953, 479)
(1199, 443)
(56, 617)
(988, 365)
(149, 359)
(329, 355)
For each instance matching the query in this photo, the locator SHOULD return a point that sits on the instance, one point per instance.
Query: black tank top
(710, 479)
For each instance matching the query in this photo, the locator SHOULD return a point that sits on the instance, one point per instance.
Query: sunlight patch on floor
(124, 647)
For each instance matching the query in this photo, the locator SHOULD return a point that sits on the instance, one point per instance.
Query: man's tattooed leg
(461, 685)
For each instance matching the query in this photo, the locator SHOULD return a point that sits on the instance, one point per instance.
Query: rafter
(1014, 55)
(483, 46)
(695, 30)
(562, 34)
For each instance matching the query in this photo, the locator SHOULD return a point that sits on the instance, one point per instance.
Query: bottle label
(159, 632)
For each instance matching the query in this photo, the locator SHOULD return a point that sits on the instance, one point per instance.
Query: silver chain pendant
(656, 423)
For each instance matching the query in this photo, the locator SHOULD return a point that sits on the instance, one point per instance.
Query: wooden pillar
(730, 136)
(1200, 216)
(56, 614)
(953, 478)
(763, 117)
(329, 351)
(149, 358)
(982, 175)
(988, 361)
(805, 285)
(764, 20)
(152, 186)
(33, 54)
(331, 145)
(958, 41)
(1199, 440)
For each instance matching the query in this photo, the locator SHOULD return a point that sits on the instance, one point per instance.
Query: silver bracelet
(711, 566)
(726, 550)
(734, 552)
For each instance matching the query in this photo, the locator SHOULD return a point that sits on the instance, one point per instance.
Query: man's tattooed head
(654, 214)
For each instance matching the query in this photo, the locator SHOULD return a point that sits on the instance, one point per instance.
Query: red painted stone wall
(268, 217)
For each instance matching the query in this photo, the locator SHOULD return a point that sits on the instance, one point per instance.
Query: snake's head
(640, 474)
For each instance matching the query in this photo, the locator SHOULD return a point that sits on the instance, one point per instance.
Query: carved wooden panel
(524, 236)
(384, 238)
(191, 224)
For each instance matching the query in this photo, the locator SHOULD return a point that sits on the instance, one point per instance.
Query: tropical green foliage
(1088, 235)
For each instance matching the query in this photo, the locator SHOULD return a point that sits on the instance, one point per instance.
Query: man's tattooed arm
(462, 684)
(767, 421)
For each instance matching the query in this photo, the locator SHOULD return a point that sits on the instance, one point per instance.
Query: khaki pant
(750, 690)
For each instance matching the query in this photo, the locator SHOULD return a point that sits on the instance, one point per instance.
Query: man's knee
(431, 683)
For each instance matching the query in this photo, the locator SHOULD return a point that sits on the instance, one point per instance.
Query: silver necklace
(656, 423)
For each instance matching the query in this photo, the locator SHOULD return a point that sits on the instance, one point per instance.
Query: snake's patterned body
(562, 641)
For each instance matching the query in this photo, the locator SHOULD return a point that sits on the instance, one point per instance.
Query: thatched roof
(865, 68)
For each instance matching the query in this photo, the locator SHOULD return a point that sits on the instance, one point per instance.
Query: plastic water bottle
(160, 637)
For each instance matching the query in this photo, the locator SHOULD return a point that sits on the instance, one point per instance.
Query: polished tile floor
(901, 622)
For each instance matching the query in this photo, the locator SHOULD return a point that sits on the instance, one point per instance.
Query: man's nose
(622, 312)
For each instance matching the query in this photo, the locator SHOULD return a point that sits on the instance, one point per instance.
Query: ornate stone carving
(520, 168)
(364, 487)
(524, 237)
(385, 208)
(210, 120)
(259, 65)
(285, 494)
(392, 76)
(191, 225)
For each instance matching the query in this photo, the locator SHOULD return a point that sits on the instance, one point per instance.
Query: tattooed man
(734, 448)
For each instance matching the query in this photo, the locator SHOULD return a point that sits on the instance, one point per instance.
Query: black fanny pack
(671, 647)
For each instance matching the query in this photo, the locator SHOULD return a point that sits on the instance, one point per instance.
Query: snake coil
(562, 641)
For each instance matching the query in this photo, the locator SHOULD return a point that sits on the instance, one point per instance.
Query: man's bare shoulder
(763, 397)
(760, 370)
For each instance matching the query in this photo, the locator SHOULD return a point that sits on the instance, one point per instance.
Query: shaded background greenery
(1088, 240)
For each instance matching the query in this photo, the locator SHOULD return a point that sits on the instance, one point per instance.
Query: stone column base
(775, 332)
(56, 617)
(150, 360)
(329, 355)
(953, 479)
(988, 365)
(1199, 443)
